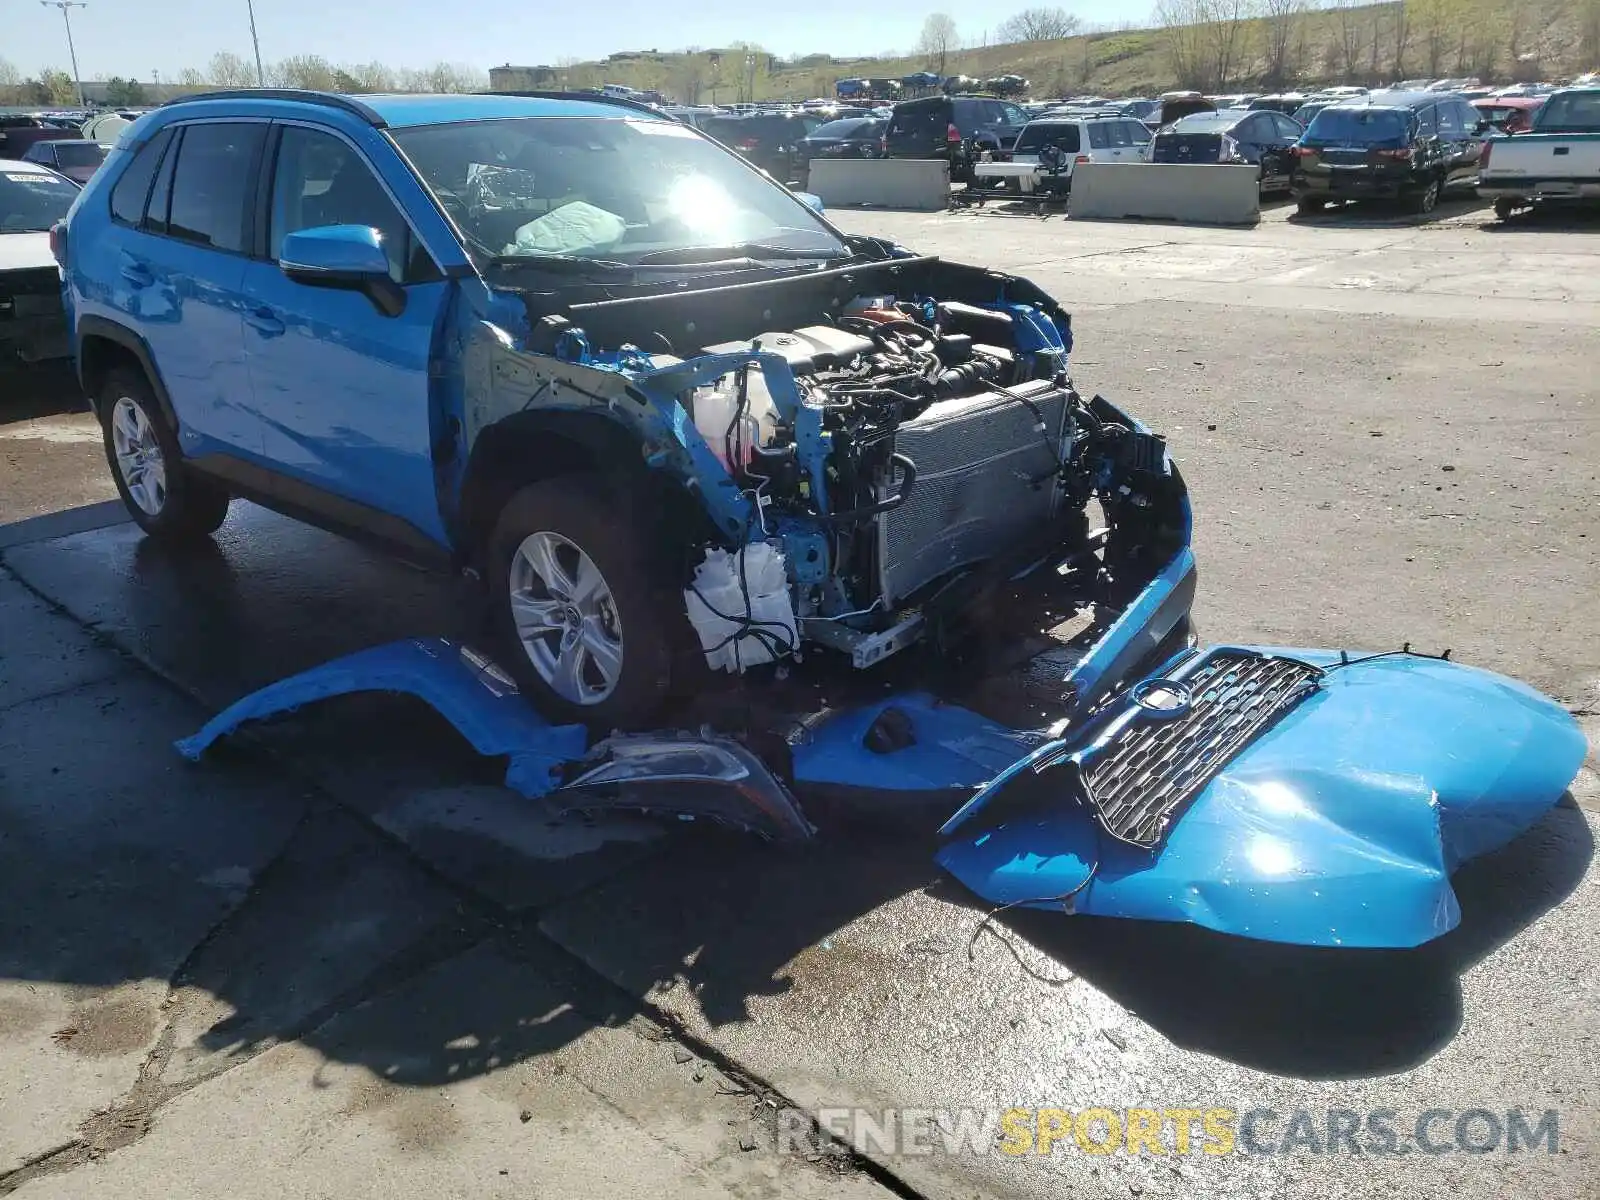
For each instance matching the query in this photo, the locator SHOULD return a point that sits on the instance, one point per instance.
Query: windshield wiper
(562, 264)
(711, 254)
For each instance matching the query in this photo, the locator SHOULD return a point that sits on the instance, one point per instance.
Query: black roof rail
(591, 97)
(300, 96)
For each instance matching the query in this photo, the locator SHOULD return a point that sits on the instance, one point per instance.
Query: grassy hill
(1498, 39)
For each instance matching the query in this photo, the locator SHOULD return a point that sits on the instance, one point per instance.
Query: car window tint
(1427, 122)
(155, 213)
(321, 180)
(1138, 132)
(133, 187)
(1289, 128)
(1449, 120)
(1099, 139)
(215, 174)
(1119, 133)
(1040, 134)
(966, 114)
(1014, 115)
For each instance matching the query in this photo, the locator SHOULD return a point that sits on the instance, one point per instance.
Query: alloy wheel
(139, 459)
(566, 618)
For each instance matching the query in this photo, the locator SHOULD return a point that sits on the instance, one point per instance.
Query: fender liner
(92, 326)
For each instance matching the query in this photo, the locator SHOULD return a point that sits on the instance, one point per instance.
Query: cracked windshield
(606, 189)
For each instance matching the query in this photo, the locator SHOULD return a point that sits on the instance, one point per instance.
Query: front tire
(165, 497)
(581, 606)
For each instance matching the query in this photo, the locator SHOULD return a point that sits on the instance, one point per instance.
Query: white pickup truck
(1558, 160)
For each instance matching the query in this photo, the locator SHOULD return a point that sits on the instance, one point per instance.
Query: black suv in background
(1407, 146)
(955, 128)
(769, 140)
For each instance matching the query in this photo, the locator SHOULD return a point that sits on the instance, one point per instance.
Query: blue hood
(1338, 826)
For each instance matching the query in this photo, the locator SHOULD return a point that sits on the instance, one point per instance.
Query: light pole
(261, 78)
(66, 16)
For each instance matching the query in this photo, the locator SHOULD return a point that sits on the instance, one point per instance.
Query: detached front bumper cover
(1301, 796)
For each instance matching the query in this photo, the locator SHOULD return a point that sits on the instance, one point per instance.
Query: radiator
(979, 459)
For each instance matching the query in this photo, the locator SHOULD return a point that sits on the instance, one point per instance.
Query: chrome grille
(1154, 763)
(977, 493)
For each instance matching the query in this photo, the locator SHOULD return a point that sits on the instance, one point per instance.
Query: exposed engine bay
(936, 445)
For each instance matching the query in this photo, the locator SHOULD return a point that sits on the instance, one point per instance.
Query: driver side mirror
(346, 257)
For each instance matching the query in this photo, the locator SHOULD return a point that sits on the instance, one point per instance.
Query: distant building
(523, 79)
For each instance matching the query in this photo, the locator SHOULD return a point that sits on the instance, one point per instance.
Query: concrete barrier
(922, 184)
(1201, 193)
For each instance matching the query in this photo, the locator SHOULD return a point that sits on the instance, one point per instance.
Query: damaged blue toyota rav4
(707, 455)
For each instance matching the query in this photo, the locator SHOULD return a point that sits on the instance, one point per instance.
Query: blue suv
(667, 416)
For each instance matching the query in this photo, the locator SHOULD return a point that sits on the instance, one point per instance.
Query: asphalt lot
(339, 959)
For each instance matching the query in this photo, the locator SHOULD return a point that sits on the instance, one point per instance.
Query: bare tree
(1038, 25)
(1226, 32)
(228, 70)
(372, 77)
(1401, 43)
(1589, 31)
(310, 72)
(1348, 19)
(938, 41)
(1181, 24)
(1282, 20)
(690, 75)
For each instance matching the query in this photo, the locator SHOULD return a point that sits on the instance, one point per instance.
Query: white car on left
(32, 322)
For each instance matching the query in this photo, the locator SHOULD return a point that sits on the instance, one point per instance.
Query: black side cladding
(1155, 765)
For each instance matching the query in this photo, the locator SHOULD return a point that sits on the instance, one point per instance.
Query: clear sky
(136, 38)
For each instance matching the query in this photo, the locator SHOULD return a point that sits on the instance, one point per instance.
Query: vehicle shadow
(1309, 1012)
(1548, 219)
(1382, 214)
(37, 390)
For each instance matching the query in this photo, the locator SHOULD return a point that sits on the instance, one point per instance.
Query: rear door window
(1117, 131)
(1427, 122)
(1099, 136)
(1138, 132)
(1450, 121)
(1357, 127)
(1037, 136)
(133, 188)
(1288, 128)
(919, 121)
(215, 176)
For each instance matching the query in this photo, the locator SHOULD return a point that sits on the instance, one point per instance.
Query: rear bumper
(34, 339)
(1351, 186)
(1552, 188)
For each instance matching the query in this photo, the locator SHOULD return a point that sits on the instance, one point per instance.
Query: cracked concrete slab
(340, 909)
(116, 860)
(492, 1075)
(43, 652)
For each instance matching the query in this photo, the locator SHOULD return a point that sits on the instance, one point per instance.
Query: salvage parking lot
(339, 958)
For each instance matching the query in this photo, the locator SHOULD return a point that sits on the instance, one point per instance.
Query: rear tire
(166, 498)
(1310, 206)
(581, 606)
(1425, 200)
(1505, 209)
